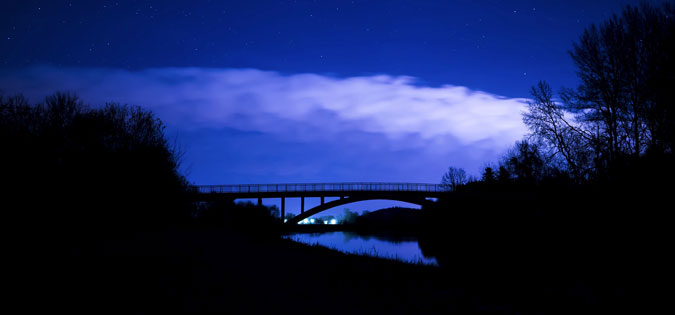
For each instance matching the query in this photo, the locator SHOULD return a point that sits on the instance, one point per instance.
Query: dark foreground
(214, 270)
(218, 271)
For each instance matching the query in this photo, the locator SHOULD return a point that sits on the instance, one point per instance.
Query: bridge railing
(319, 187)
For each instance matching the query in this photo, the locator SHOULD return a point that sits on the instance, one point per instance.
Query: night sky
(305, 91)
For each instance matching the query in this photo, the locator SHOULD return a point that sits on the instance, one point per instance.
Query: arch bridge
(416, 193)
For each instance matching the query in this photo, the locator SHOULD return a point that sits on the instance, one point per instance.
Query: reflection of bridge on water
(346, 192)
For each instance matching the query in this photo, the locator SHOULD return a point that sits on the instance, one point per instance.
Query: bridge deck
(320, 189)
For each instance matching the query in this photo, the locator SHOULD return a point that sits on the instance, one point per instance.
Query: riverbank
(215, 270)
(219, 271)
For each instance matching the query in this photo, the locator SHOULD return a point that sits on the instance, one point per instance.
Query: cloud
(307, 108)
(267, 101)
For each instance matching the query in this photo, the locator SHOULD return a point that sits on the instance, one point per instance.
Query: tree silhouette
(503, 175)
(525, 163)
(623, 107)
(565, 141)
(488, 175)
(453, 178)
(73, 167)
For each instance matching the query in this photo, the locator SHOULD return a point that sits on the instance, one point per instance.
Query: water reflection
(405, 249)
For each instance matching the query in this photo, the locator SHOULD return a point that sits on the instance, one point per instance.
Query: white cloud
(300, 107)
(270, 102)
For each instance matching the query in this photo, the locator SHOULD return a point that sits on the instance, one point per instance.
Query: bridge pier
(259, 201)
(283, 208)
(302, 204)
(322, 200)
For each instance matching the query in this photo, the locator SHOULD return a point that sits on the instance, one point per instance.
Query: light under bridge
(415, 193)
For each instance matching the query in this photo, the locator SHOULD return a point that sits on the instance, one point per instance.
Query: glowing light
(333, 221)
(285, 220)
(312, 221)
(305, 221)
(325, 221)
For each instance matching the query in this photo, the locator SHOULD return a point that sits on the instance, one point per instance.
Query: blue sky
(305, 91)
(497, 46)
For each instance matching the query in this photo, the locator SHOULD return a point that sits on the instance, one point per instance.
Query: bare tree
(550, 125)
(624, 105)
(454, 178)
(625, 66)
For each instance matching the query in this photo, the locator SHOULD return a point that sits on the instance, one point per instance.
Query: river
(405, 249)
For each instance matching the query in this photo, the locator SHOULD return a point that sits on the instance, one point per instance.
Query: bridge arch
(343, 201)
(415, 193)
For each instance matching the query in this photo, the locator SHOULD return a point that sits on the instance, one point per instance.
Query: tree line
(617, 125)
(71, 167)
